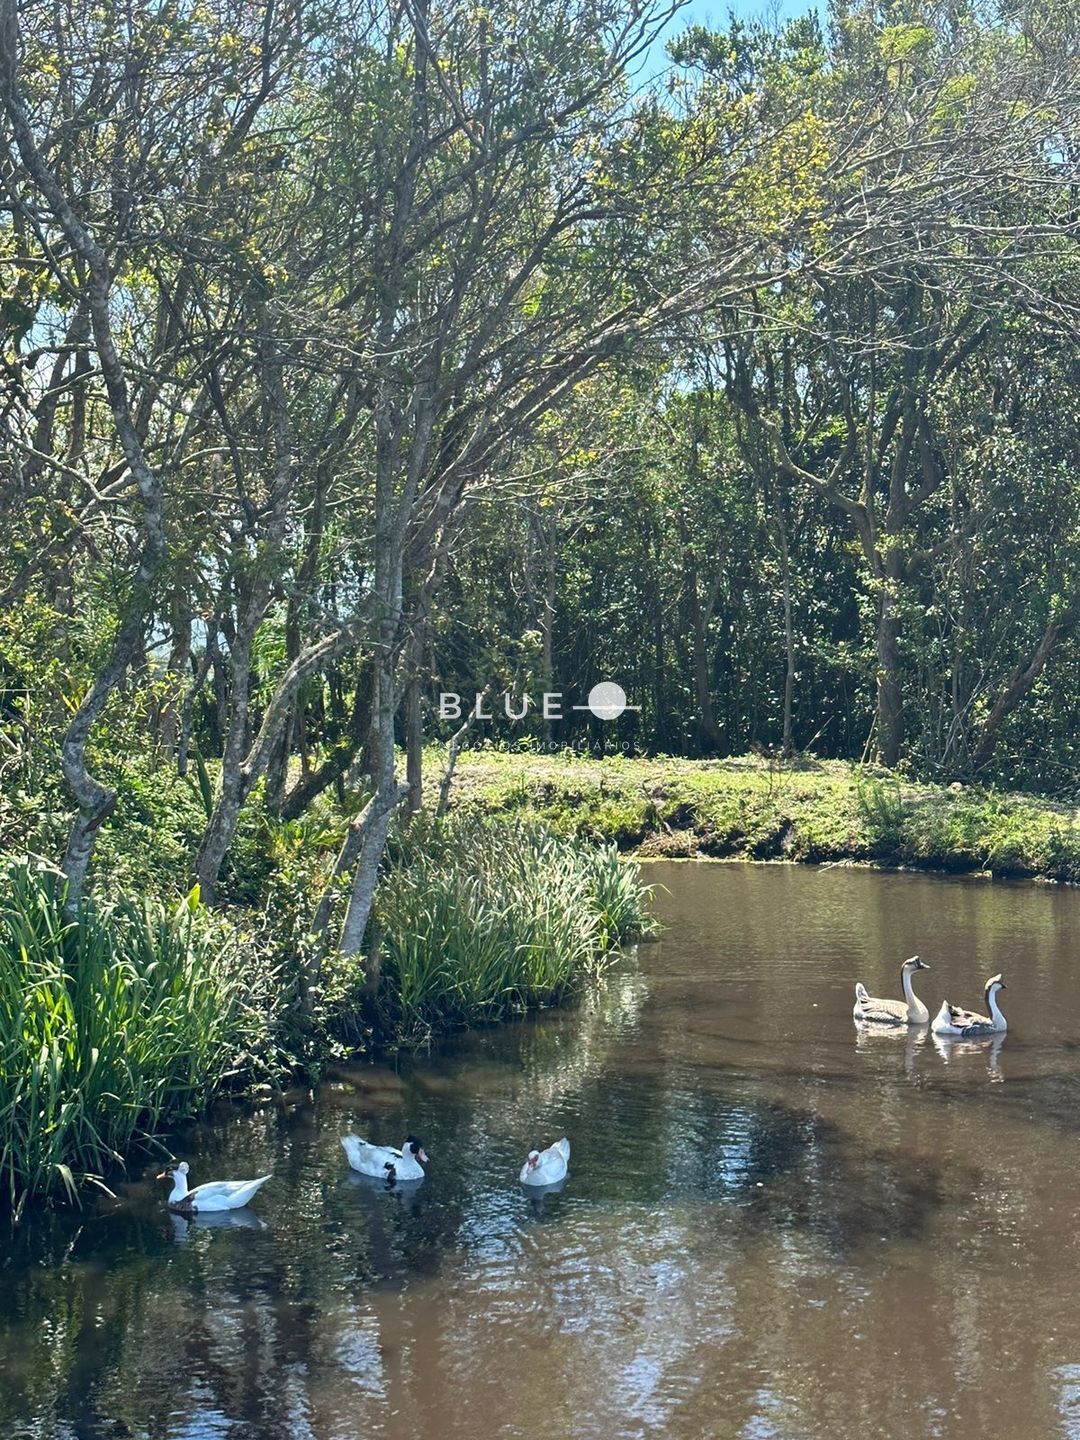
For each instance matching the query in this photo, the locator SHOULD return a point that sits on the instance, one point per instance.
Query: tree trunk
(388, 794)
(350, 851)
(890, 703)
(95, 800)
(700, 615)
(787, 744)
(549, 540)
(1021, 681)
(337, 764)
(178, 670)
(414, 745)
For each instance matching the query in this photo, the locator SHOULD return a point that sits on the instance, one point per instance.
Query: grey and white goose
(909, 1011)
(951, 1020)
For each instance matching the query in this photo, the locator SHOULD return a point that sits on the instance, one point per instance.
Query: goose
(909, 1011)
(385, 1163)
(546, 1167)
(214, 1195)
(951, 1020)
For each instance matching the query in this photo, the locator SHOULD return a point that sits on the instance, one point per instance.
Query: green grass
(753, 808)
(480, 920)
(111, 1027)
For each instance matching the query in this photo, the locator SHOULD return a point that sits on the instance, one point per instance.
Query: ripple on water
(774, 1225)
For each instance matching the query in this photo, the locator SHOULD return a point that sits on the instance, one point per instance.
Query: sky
(714, 14)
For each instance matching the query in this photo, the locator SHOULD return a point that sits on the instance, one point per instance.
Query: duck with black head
(384, 1162)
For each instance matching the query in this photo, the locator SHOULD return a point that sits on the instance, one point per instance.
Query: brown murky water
(773, 1227)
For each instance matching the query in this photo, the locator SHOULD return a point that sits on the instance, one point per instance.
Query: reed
(111, 1026)
(478, 921)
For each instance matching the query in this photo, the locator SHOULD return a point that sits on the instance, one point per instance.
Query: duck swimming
(214, 1195)
(546, 1167)
(384, 1162)
(909, 1011)
(951, 1020)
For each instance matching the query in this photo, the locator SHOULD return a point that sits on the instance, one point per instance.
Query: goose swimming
(214, 1195)
(951, 1020)
(909, 1011)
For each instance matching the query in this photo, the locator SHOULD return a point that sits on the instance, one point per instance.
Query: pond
(773, 1226)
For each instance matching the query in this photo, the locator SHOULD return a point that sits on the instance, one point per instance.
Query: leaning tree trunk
(1018, 685)
(95, 800)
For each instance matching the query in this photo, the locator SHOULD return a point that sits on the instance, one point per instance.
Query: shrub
(479, 920)
(112, 1025)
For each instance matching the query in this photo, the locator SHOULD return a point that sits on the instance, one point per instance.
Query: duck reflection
(405, 1192)
(537, 1194)
(243, 1219)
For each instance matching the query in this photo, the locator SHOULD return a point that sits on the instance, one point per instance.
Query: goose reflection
(869, 1036)
(948, 1047)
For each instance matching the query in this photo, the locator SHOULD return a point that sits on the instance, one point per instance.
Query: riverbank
(758, 809)
(119, 1025)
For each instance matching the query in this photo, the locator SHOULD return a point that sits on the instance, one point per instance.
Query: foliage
(477, 921)
(114, 1025)
(753, 808)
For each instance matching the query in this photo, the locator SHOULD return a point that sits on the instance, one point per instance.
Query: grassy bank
(114, 1026)
(757, 809)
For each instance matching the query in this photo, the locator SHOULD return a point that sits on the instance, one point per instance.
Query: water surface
(773, 1226)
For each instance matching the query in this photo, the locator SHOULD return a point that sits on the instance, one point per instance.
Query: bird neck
(995, 1014)
(179, 1190)
(916, 1009)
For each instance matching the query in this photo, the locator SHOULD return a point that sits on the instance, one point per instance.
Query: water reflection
(907, 1041)
(242, 1219)
(775, 1224)
(951, 1047)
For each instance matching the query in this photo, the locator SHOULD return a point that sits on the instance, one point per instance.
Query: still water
(773, 1227)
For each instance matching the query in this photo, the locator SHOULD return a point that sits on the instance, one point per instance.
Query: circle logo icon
(607, 701)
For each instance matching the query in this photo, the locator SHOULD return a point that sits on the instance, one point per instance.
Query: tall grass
(480, 920)
(110, 1026)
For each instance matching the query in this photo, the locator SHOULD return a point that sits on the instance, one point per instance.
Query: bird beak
(165, 1175)
(423, 1156)
(921, 964)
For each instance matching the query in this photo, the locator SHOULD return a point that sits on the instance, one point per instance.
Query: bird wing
(224, 1194)
(369, 1159)
(967, 1017)
(554, 1159)
(887, 1012)
(973, 1022)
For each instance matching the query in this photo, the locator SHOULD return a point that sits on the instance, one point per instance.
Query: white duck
(383, 1161)
(909, 1011)
(951, 1020)
(546, 1167)
(214, 1195)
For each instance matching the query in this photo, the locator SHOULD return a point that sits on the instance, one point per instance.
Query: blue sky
(714, 13)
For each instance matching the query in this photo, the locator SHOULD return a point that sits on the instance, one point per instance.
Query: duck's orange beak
(165, 1175)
